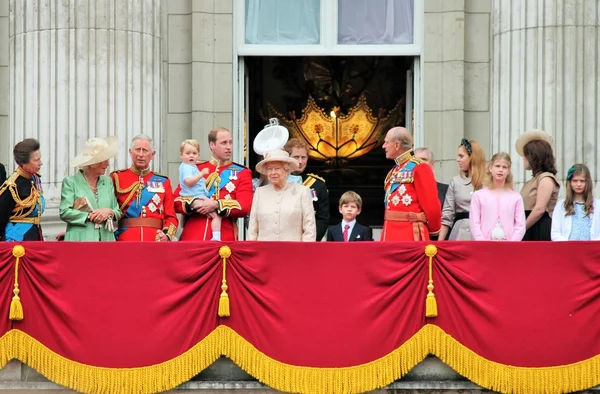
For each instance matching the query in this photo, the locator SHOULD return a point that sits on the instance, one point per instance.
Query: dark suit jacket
(442, 189)
(2, 173)
(321, 205)
(359, 233)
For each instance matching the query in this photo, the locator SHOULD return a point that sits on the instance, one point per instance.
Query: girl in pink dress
(497, 212)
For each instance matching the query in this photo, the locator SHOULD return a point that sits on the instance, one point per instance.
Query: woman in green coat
(88, 204)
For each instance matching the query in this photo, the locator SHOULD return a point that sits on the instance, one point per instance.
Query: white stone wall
(198, 63)
(79, 70)
(5, 148)
(545, 75)
(456, 73)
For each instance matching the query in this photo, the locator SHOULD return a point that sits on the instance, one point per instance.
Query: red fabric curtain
(506, 313)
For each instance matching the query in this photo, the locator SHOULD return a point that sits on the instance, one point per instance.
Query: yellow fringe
(224, 253)
(16, 308)
(90, 379)
(431, 309)
(300, 379)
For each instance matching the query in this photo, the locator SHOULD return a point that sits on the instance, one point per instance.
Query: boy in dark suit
(349, 230)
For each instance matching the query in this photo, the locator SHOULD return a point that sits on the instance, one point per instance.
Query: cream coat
(286, 215)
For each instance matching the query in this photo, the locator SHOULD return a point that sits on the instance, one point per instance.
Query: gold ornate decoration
(336, 138)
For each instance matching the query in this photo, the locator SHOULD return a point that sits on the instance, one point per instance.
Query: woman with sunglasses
(455, 212)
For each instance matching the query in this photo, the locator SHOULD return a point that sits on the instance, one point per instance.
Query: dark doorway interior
(284, 84)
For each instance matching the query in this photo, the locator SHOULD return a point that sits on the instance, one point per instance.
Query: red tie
(345, 233)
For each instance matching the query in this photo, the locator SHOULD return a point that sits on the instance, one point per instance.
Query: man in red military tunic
(229, 188)
(144, 197)
(412, 207)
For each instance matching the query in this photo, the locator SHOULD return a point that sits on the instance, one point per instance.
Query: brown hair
(477, 164)
(23, 150)
(588, 195)
(349, 197)
(540, 156)
(212, 135)
(508, 183)
(295, 143)
(193, 143)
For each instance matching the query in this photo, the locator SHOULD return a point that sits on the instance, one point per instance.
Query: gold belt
(25, 220)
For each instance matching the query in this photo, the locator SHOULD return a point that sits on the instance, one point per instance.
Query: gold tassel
(431, 309)
(224, 311)
(16, 308)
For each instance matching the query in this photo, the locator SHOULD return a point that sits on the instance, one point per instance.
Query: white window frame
(328, 46)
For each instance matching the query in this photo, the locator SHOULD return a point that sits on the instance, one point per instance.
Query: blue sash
(16, 231)
(231, 171)
(406, 172)
(134, 210)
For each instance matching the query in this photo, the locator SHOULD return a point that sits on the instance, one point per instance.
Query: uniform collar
(25, 174)
(137, 171)
(403, 158)
(218, 163)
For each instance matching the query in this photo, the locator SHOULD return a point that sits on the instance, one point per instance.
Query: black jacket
(359, 233)
(320, 201)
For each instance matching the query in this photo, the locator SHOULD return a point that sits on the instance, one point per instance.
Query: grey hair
(426, 149)
(401, 135)
(142, 137)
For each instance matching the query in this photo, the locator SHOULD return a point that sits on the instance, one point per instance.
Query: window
(375, 22)
(283, 22)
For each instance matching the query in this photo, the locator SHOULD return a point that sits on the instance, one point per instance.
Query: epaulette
(417, 160)
(316, 177)
(202, 162)
(162, 175)
(239, 165)
(116, 171)
(9, 182)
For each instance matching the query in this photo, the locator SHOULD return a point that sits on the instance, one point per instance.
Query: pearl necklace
(94, 189)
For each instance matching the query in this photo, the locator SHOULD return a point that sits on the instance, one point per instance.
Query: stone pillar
(5, 148)
(82, 69)
(545, 75)
(456, 58)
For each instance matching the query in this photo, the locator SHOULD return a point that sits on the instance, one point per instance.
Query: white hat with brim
(531, 135)
(279, 156)
(272, 137)
(96, 150)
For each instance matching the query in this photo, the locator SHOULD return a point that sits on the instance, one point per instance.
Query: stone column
(545, 75)
(82, 69)
(456, 73)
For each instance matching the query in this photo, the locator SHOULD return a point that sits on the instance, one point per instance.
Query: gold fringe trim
(90, 379)
(299, 379)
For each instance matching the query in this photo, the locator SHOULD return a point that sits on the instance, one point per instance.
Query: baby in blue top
(192, 181)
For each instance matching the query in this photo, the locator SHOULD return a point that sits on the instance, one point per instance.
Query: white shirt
(561, 224)
(351, 224)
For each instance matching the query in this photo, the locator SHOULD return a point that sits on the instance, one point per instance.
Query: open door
(243, 145)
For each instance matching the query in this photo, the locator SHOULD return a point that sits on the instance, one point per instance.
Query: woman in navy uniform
(21, 199)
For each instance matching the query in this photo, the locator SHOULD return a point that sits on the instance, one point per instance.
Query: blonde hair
(508, 182)
(193, 143)
(349, 197)
(477, 164)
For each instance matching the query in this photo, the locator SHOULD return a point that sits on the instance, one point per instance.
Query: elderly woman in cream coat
(281, 211)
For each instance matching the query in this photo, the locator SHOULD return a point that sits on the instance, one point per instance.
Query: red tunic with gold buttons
(146, 200)
(230, 184)
(412, 207)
